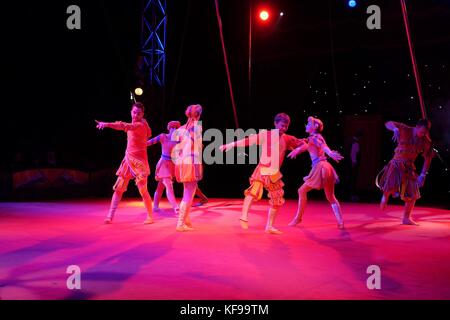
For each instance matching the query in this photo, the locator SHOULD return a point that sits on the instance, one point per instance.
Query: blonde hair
(173, 125)
(194, 107)
(317, 122)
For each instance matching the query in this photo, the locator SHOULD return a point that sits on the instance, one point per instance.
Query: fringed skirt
(322, 174)
(399, 178)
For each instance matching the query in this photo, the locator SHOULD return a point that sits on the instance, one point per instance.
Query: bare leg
(273, 212)
(409, 206)
(384, 200)
(142, 185)
(302, 200)
(245, 209)
(335, 206)
(158, 194)
(117, 196)
(203, 198)
(170, 194)
(184, 221)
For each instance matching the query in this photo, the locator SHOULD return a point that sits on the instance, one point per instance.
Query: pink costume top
(322, 172)
(274, 148)
(136, 153)
(167, 145)
(165, 168)
(409, 145)
(316, 144)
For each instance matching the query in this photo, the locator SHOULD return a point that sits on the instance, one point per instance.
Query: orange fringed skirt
(322, 174)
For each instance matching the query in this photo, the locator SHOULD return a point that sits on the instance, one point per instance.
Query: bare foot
(272, 230)
(107, 221)
(244, 224)
(294, 222)
(188, 224)
(149, 220)
(184, 228)
(409, 222)
(200, 203)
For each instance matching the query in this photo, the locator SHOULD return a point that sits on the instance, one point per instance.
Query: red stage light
(264, 15)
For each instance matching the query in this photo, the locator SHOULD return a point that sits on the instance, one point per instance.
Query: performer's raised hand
(336, 156)
(100, 125)
(396, 136)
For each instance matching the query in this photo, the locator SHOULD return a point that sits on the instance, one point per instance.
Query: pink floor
(127, 260)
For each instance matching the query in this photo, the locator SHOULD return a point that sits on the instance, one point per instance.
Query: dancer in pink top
(165, 169)
(322, 175)
(135, 163)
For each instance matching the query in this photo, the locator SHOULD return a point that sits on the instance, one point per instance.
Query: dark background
(57, 81)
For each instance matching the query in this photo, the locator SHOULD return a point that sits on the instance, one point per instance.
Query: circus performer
(399, 177)
(165, 169)
(135, 163)
(322, 175)
(188, 162)
(274, 144)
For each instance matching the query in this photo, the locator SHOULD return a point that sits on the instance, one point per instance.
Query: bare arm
(154, 141)
(118, 125)
(302, 148)
(247, 141)
(428, 156)
(335, 155)
(393, 126)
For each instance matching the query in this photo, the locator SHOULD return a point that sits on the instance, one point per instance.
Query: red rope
(219, 21)
(413, 59)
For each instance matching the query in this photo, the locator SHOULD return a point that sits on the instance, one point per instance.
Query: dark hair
(139, 105)
(282, 117)
(424, 123)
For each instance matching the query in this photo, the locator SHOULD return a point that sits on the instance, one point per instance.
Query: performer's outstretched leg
(170, 194)
(273, 212)
(245, 209)
(335, 206)
(302, 200)
(158, 194)
(409, 206)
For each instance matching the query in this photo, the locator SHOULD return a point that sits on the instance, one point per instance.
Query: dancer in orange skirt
(188, 162)
(165, 169)
(399, 177)
(135, 163)
(267, 175)
(322, 175)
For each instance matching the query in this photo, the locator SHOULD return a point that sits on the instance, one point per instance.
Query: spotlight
(264, 15)
(138, 91)
(281, 13)
(352, 3)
